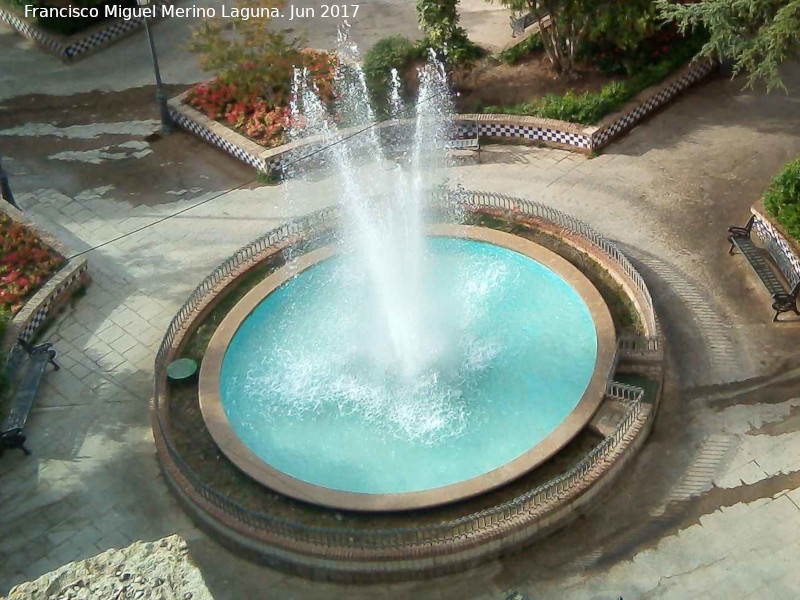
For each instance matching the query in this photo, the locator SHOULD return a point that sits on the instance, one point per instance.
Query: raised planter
(585, 138)
(783, 249)
(78, 45)
(534, 130)
(54, 294)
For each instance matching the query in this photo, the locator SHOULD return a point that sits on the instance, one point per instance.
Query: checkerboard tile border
(548, 133)
(275, 164)
(604, 135)
(203, 132)
(525, 132)
(70, 48)
(55, 298)
(779, 248)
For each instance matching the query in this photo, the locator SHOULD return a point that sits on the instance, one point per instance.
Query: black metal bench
(11, 433)
(520, 23)
(782, 301)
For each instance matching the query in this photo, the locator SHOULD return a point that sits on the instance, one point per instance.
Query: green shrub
(393, 52)
(439, 20)
(515, 53)
(782, 198)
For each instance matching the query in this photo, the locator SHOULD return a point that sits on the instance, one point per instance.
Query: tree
(565, 25)
(438, 19)
(248, 53)
(756, 35)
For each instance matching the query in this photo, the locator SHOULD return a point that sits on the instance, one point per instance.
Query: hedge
(782, 198)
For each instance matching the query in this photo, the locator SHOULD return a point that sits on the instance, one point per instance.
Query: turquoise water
(308, 383)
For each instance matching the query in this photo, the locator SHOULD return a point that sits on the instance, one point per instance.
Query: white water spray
(386, 233)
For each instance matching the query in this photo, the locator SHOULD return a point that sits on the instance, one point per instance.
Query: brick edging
(549, 132)
(78, 45)
(56, 292)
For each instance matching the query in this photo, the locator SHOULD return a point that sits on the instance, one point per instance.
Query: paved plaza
(709, 509)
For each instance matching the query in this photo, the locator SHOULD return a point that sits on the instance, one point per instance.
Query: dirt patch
(495, 83)
(85, 108)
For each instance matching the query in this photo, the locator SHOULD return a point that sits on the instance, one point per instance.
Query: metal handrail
(468, 525)
(638, 343)
(411, 536)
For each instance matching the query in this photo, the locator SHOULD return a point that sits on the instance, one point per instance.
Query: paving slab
(709, 508)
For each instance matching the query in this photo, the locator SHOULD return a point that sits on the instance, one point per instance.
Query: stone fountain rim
(246, 460)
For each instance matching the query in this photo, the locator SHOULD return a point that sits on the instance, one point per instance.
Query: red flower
(25, 263)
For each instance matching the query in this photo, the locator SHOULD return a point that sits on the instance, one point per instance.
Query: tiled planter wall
(584, 138)
(785, 253)
(58, 290)
(78, 45)
(549, 132)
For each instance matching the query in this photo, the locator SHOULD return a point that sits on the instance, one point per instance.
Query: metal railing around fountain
(452, 530)
(568, 222)
(273, 239)
(639, 344)
(469, 525)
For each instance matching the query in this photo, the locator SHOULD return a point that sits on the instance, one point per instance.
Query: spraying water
(386, 234)
(347, 374)
(395, 98)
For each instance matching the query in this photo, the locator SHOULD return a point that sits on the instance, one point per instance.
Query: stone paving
(485, 23)
(710, 507)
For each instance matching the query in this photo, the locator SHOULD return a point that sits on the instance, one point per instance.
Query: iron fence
(469, 525)
(547, 213)
(638, 343)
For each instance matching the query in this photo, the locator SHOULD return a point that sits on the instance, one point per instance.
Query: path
(127, 63)
(709, 508)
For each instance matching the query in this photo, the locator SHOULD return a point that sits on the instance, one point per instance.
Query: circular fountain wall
(296, 393)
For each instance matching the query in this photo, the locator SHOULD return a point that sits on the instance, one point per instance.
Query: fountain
(409, 364)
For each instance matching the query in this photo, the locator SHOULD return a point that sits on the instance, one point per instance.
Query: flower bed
(260, 119)
(647, 66)
(523, 129)
(26, 263)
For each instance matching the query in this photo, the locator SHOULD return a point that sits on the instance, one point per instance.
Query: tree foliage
(393, 52)
(782, 198)
(756, 35)
(589, 107)
(248, 53)
(565, 25)
(438, 19)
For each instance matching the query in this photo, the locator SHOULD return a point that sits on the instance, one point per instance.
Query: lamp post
(161, 98)
(5, 189)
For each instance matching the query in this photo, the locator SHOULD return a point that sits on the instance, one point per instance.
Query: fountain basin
(536, 392)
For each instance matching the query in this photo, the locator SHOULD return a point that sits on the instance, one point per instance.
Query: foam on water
(304, 388)
(407, 363)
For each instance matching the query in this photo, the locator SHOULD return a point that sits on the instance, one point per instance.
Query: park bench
(470, 143)
(782, 300)
(521, 22)
(11, 433)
